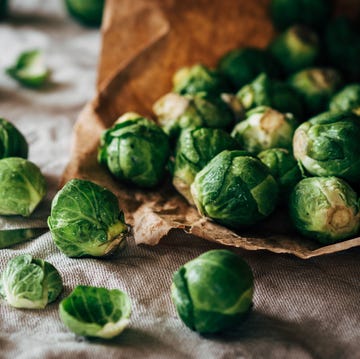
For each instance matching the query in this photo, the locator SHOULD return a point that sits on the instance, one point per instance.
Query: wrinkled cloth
(301, 309)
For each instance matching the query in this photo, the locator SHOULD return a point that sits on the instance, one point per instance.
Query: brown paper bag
(144, 43)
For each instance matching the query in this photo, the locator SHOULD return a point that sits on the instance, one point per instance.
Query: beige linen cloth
(302, 309)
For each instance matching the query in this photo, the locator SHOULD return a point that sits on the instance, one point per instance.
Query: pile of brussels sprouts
(266, 128)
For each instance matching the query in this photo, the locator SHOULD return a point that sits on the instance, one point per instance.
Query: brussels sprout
(235, 189)
(266, 92)
(296, 48)
(30, 283)
(12, 142)
(316, 86)
(325, 209)
(199, 78)
(283, 168)
(88, 12)
(265, 128)
(195, 148)
(342, 40)
(22, 186)
(213, 292)
(175, 112)
(313, 13)
(96, 312)
(241, 66)
(85, 220)
(328, 145)
(30, 69)
(135, 150)
(347, 99)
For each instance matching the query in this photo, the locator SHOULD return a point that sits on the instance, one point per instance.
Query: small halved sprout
(265, 128)
(96, 312)
(85, 220)
(328, 145)
(22, 186)
(199, 78)
(12, 141)
(30, 69)
(235, 189)
(30, 283)
(325, 209)
(213, 292)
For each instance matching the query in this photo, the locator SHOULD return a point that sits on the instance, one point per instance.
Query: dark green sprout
(347, 99)
(88, 12)
(12, 141)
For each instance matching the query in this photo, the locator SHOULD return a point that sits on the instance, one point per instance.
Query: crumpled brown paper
(144, 43)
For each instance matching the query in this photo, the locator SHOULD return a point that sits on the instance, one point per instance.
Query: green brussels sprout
(12, 141)
(30, 283)
(328, 145)
(235, 189)
(265, 128)
(313, 13)
(195, 148)
(325, 209)
(30, 69)
(88, 12)
(96, 312)
(10, 237)
(135, 150)
(266, 92)
(347, 99)
(22, 186)
(199, 78)
(175, 112)
(342, 41)
(85, 220)
(296, 48)
(241, 66)
(213, 292)
(283, 168)
(316, 86)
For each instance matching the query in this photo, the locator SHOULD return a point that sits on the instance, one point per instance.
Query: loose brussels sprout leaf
(10, 237)
(342, 40)
(296, 48)
(86, 220)
(241, 66)
(265, 128)
(213, 292)
(175, 112)
(199, 78)
(195, 148)
(313, 13)
(347, 99)
(22, 186)
(96, 312)
(88, 12)
(328, 145)
(135, 150)
(30, 69)
(235, 189)
(30, 283)
(284, 169)
(266, 92)
(325, 209)
(316, 86)
(12, 142)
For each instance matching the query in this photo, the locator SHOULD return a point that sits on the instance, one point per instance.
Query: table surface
(302, 309)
